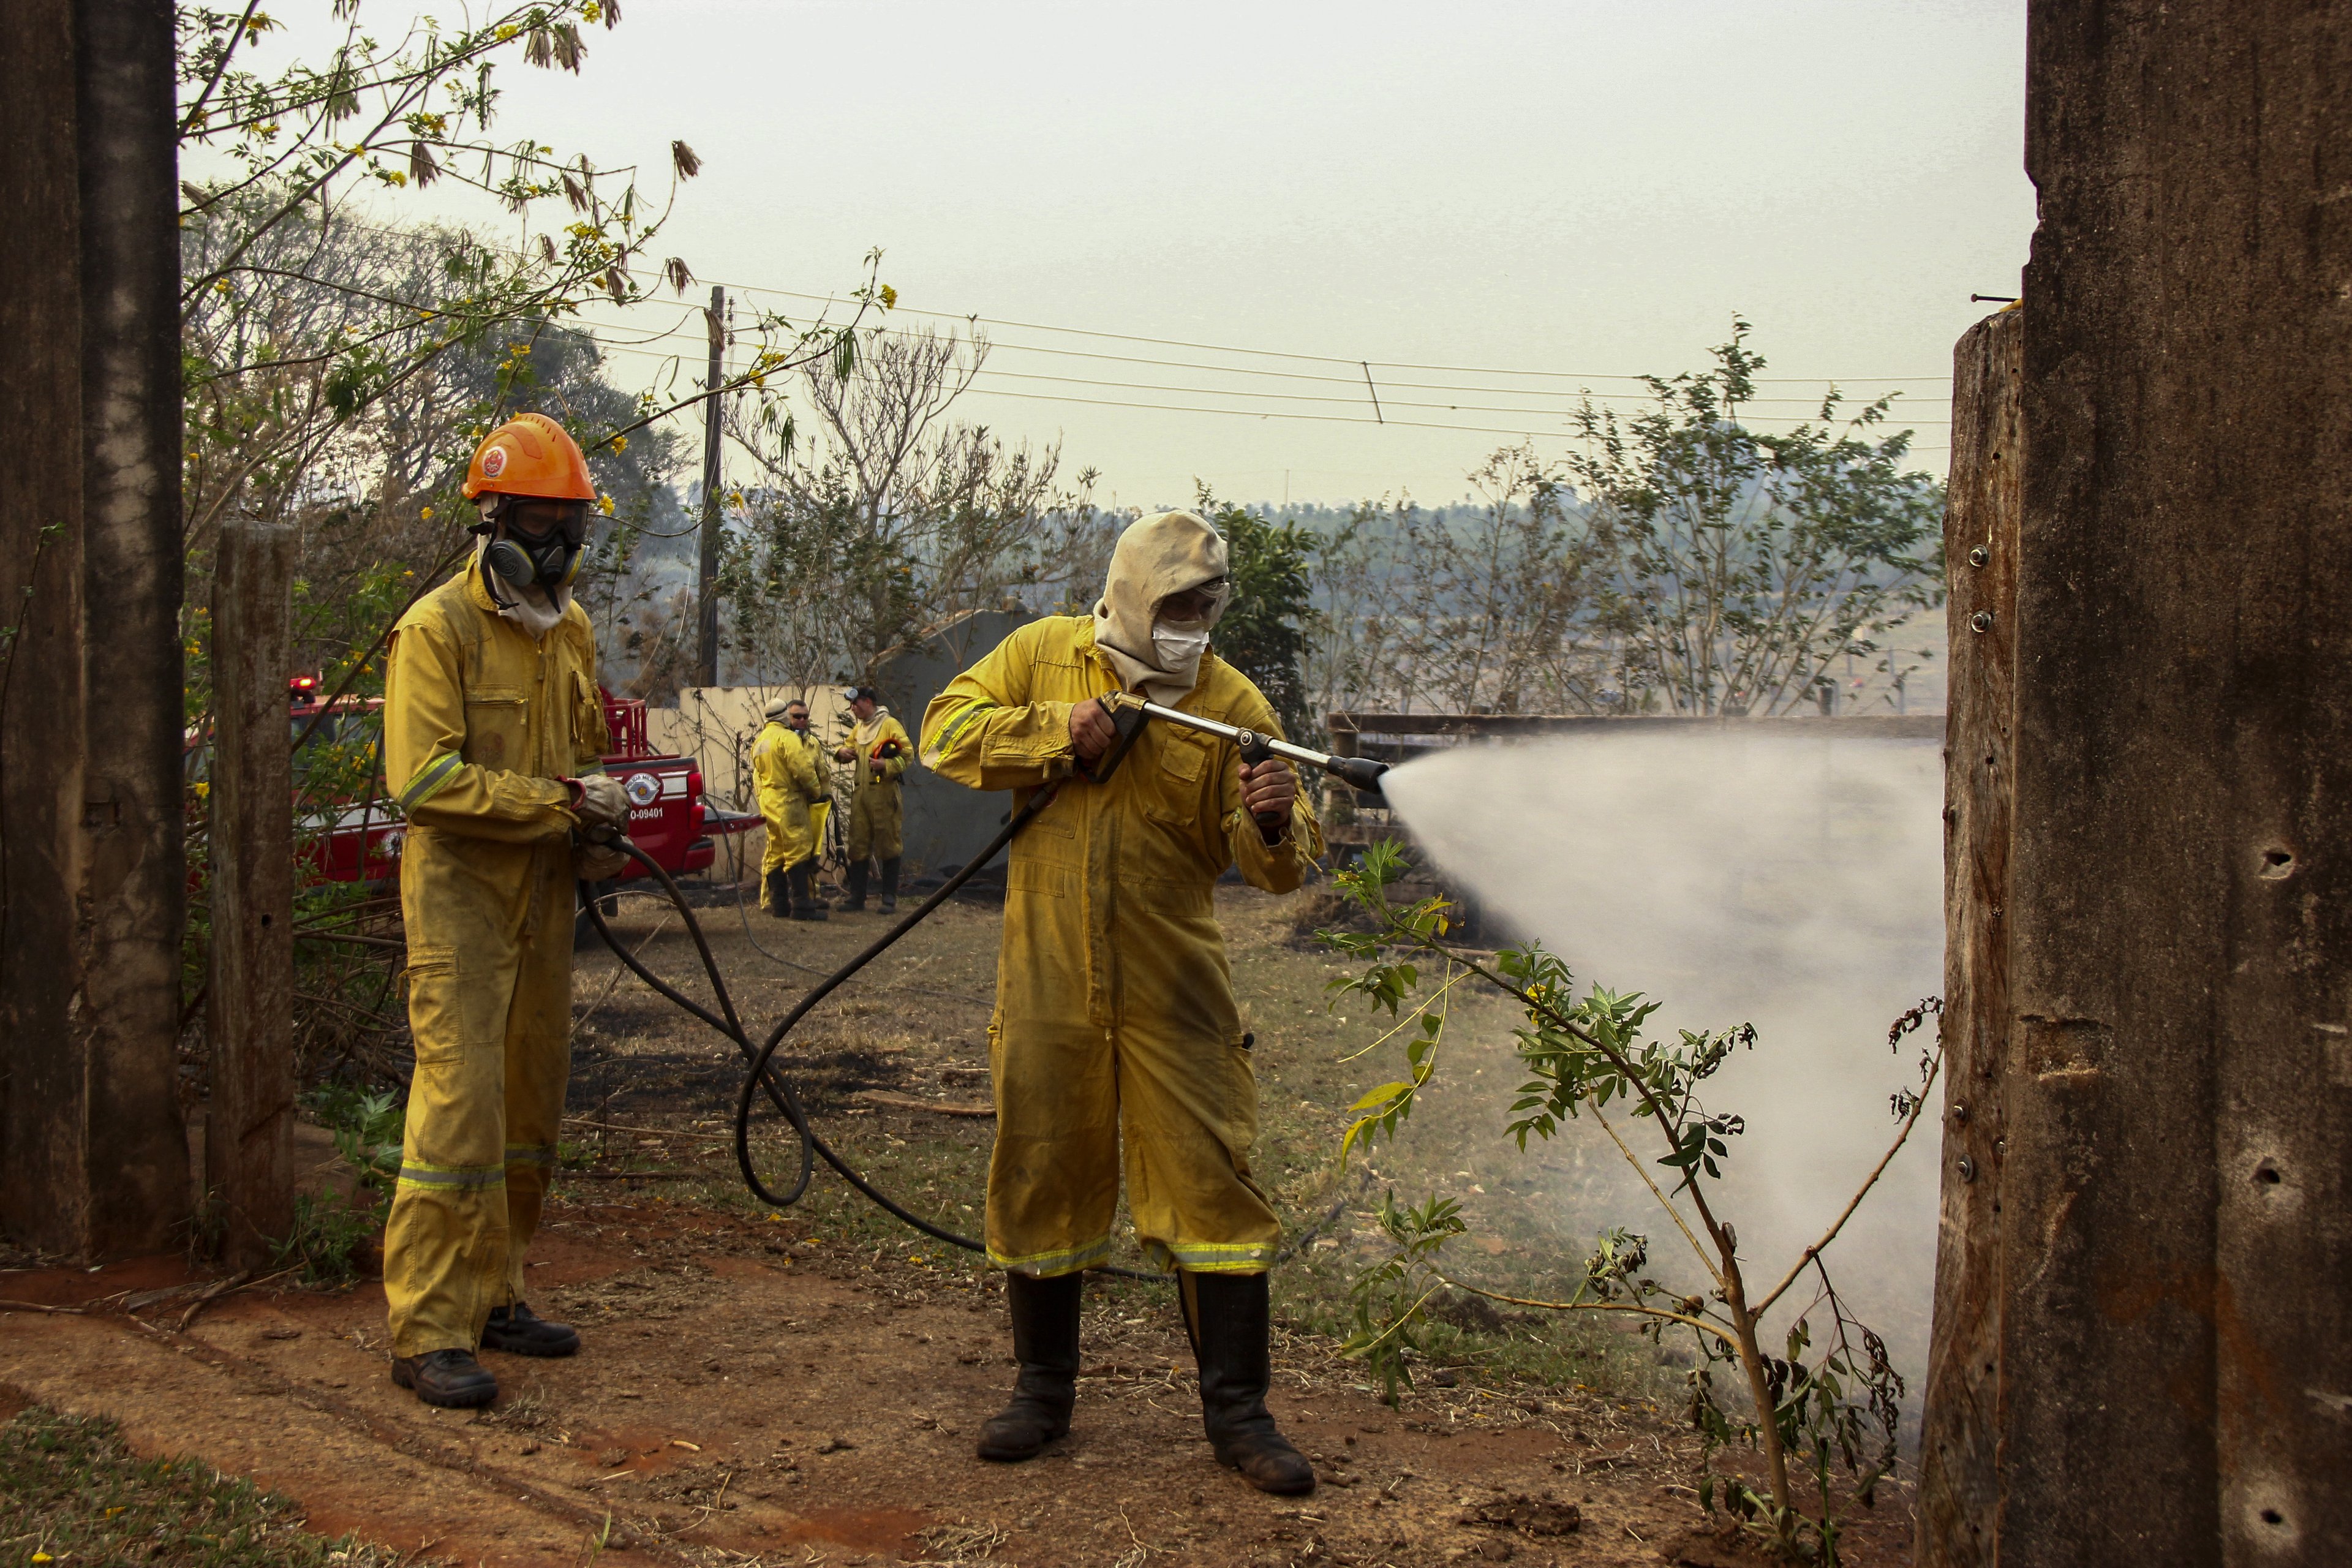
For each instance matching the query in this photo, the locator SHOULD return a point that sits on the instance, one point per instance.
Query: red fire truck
(359, 841)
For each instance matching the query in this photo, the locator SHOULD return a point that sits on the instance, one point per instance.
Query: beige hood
(1167, 552)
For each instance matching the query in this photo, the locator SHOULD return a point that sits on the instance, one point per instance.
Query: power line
(1321, 397)
(1281, 413)
(1278, 396)
(1322, 359)
(1528, 431)
(997, 345)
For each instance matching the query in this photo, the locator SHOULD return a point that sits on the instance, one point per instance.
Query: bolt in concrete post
(249, 1127)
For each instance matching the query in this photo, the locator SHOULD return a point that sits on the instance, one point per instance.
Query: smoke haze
(1791, 882)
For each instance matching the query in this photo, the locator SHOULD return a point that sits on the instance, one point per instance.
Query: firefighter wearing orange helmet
(494, 739)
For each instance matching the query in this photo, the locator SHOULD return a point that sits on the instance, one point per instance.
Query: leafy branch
(1837, 1405)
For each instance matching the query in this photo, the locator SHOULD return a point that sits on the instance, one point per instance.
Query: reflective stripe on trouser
(874, 823)
(1184, 1108)
(489, 1005)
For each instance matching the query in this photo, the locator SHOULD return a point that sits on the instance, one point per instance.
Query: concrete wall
(945, 823)
(2168, 1364)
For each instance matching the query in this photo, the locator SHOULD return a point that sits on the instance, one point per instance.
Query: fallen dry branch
(907, 1102)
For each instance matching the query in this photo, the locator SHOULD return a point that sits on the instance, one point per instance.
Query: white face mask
(1176, 647)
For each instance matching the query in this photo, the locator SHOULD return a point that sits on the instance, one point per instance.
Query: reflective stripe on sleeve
(430, 779)
(944, 736)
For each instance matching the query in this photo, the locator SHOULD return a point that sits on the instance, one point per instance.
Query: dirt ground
(803, 1386)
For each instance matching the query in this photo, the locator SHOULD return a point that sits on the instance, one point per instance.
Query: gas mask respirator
(539, 544)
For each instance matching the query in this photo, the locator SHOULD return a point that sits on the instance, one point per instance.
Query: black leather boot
(1046, 1343)
(452, 1379)
(890, 885)
(779, 893)
(806, 905)
(1230, 1321)
(857, 900)
(519, 1331)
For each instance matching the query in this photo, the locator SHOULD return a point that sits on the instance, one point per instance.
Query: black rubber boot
(805, 906)
(890, 885)
(451, 1379)
(1046, 1343)
(779, 893)
(1230, 1321)
(519, 1331)
(856, 902)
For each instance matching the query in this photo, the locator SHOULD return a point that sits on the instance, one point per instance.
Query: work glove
(602, 805)
(598, 862)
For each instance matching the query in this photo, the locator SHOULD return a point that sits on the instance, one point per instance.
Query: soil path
(742, 1393)
(806, 1388)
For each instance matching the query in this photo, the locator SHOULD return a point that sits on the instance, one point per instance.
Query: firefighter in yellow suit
(788, 771)
(878, 752)
(494, 734)
(1116, 1031)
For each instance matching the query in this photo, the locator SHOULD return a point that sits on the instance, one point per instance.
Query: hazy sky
(1574, 188)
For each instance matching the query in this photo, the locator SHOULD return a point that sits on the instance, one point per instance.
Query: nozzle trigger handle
(1255, 750)
(1129, 722)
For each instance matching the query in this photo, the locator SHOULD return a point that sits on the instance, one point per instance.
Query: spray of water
(1789, 881)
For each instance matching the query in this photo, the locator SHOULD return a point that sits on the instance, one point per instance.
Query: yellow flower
(889, 297)
(428, 517)
(592, 11)
(605, 505)
(620, 443)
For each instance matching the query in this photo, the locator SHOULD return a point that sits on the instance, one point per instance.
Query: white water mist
(1791, 882)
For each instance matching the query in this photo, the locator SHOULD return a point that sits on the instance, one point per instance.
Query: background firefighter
(1116, 1025)
(495, 727)
(879, 752)
(788, 771)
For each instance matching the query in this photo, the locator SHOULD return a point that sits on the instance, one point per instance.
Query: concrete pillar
(2165, 1258)
(1958, 1498)
(93, 1155)
(250, 1017)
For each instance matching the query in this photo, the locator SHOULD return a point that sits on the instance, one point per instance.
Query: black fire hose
(761, 1076)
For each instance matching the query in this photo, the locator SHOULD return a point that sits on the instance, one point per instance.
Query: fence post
(250, 1125)
(1959, 1501)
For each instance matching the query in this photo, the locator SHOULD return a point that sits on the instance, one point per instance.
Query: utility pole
(706, 663)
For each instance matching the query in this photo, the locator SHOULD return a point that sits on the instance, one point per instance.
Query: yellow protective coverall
(789, 779)
(480, 721)
(1115, 1021)
(821, 808)
(875, 813)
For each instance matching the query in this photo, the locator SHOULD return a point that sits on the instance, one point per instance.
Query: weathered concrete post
(93, 1155)
(1959, 1501)
(249, 1021)
(2153, 1297)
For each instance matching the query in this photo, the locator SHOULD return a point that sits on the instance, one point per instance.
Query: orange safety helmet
(530, 455)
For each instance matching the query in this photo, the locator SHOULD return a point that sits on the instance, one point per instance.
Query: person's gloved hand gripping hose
(602, 808)
(601, 804)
